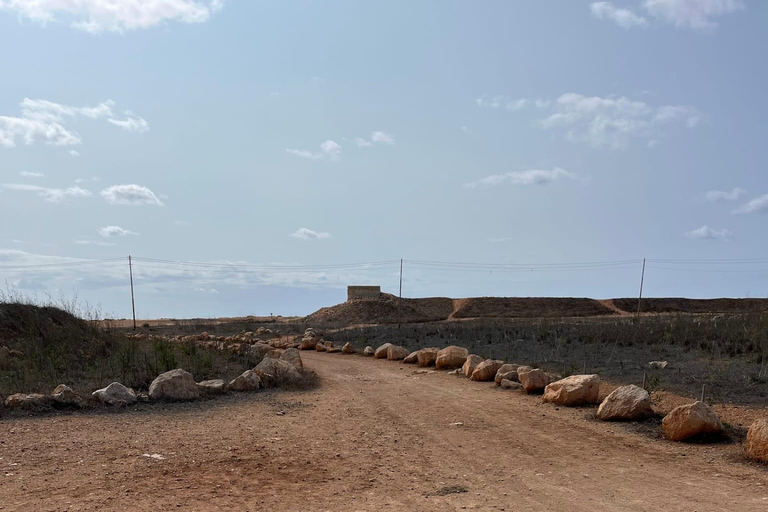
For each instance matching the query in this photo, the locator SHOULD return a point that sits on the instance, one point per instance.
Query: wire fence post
(400, 297)
(133, 304)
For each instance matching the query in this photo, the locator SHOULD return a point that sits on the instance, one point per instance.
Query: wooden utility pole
(133, 304)
(400, 296)
(640, 297)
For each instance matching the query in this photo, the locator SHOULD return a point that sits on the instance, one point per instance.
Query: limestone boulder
(573, 390)
(533, 379)
(116, 394)
(757, 441)
(396, 353)
(510, 384)
(412, 358)
(259, 350)
(506, 371)
(686, 421)
(426, 356)
(626, 403)
(451, 357)
(308, 343)
(486, 371)
(276, 373)
(292, 356)
(65, 396)
(212, 387)
(332, 350)
(27, 401)
(320, 347)
(368, 351)
(348, 349)
(470, 364)
(381, 352)
(175, 384)
(249, 380)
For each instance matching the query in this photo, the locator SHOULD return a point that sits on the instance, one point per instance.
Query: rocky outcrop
(212, 387)
(411, 358)
(486, 370)
(368, 351)
(451, 357)
(532, 379)
(381, 352)
(626, 403)
(470, 363)
(507, 371)
(690, 420)
(573, 390)
(116, 394)
(249, 380)
(175, 384)
(65, 396)
(426, 356)
(27, 401)
(292, 356)
(348, 349)
(396, 353)
(757, 441)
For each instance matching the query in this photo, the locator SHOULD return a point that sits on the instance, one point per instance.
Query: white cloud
(52, 195)
(622, 17)
(130, 195)
(110, 231)
(97, 16)
(308, 234)
(529, 177)
(74, 152)
(707, 233)
(376, 137)
(696, 14)
(757, 205)
(28, 174)
(46, 122)
(502, 102)
(206, 290)
(84, 180)
(721, 195)
(614, 122)
(329, 150)
(131, 123)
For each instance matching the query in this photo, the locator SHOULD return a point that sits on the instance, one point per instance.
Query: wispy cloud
(528, 177)
(43, 121)
(99, 243)
(695, 14)
(130, 195)
(308, 234)
(757, 205)
(97, 16)
(52, 195)
(721, 195)
(622, 17)
(131, 123)
(375, 138)
(329, 150)
(113, 231)
(28, 174)
(707, 233)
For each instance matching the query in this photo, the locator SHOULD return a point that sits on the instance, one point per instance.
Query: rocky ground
(375, 435)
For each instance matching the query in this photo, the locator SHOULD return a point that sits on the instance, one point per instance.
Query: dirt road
(375, 436)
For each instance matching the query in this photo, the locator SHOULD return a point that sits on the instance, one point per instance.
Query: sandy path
(373, 437)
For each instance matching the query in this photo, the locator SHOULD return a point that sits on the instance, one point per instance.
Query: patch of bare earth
(374, 436)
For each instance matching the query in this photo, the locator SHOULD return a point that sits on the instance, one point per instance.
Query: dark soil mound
(528, 307)
(682, 305)
(384, 310)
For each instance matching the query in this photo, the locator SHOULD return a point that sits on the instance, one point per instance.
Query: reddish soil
(375, 436)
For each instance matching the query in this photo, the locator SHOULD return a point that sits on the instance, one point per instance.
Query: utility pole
(640, 297)
(400, 297)
(133, 304)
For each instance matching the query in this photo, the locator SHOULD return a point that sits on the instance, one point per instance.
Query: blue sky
(286, 135)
